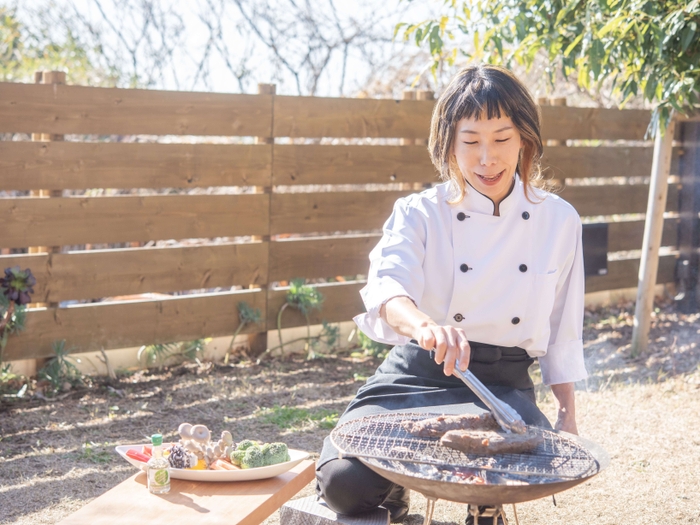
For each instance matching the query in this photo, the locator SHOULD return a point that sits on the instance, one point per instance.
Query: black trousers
(409, 379)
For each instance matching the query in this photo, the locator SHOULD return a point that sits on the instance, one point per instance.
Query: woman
(483, 271)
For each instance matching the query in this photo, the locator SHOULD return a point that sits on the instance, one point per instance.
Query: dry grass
(55, 456)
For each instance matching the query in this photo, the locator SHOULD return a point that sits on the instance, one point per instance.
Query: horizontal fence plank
(328, 257)
(614, 199)
(561, 162)
(54, 108)
(107, 273)
(324, 164)
(624, 274)
(62, 109)
(331, 211)
(132, 323)
(562, 123)
(351, 117)
(628, 235)
(30, 221)
(342, 117)
(341, 302)
(82, 165)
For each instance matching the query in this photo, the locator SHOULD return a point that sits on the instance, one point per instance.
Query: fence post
(257, 342)
(557, 184)
(46, 77)
(408, 94)
(688, 264)
(423, 94)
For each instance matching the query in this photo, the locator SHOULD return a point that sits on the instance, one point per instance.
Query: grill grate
(381, 439)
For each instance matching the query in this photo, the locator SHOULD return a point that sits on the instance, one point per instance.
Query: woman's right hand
(450, 345)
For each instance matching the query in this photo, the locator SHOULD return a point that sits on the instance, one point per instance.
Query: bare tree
(307, 47)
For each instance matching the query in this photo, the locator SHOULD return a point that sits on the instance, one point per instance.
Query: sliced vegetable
(220, 464)
(138, 456)
(147, 450)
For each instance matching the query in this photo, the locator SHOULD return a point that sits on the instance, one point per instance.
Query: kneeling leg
(349, 487)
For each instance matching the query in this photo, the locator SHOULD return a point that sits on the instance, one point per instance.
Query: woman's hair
(485, 91)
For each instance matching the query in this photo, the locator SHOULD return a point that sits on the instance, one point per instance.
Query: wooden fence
(265, 216)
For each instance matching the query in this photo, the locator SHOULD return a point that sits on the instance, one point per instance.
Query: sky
(247, 53)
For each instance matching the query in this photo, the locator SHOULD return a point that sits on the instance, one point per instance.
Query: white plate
(223, 475)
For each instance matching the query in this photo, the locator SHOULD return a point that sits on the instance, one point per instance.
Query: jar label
(161, 477)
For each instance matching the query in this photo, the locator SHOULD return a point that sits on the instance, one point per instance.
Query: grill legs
(429, 508)
(491, 512)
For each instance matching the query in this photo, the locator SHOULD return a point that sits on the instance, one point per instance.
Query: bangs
(482, 99)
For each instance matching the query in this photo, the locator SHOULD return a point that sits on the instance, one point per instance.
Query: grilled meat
(490, 443)
(437, 426)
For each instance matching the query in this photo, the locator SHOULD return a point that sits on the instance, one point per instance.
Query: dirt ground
(58, 454)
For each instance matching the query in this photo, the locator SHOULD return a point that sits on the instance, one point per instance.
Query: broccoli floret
(246, 443)
(253, 458)
(237, 456)
(275, 453)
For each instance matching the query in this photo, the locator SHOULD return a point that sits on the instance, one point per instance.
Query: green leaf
(573, 44)
(611, 25)
(687, 38)
(650, 88)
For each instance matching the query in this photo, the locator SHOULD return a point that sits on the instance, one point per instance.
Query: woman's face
(487, 153)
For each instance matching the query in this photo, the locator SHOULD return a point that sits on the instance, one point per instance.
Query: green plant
(304, 298)
(191, 350)
(644, 46)
(371, 347)
(158, 354)
(16, 288)
(60, 370)
(90, 451)
(286, 417)
(328, 337)
(12, 382)
(246, 315)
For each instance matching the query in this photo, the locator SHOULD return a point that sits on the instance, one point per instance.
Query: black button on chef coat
(515, 320)
(464, 268)
(526, 215)
(459, 318)
(523, 268)
(461, 216)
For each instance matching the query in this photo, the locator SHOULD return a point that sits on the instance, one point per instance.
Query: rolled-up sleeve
(564, 362)
(396, 269)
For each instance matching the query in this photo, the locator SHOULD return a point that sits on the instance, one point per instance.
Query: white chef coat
(512, 280)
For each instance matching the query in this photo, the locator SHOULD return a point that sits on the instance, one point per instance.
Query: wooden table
(194, 503)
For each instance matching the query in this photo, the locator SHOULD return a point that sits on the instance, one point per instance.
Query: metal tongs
(505, 415)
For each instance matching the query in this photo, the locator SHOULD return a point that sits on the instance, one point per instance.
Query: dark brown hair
(485, 91)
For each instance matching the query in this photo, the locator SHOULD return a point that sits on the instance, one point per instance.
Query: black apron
(410, 380)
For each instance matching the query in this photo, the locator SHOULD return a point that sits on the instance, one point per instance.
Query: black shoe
(485, 517)
(397, 503)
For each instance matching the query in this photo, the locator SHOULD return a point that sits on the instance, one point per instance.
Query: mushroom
(185, 431)
(227, 438)
(200, 434)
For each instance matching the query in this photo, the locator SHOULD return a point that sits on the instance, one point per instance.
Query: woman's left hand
(566, 422)
(566, 404)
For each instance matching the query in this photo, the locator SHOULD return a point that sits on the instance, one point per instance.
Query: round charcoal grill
(438, 472)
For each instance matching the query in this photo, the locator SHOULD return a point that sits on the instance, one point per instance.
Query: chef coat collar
(479, 203)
